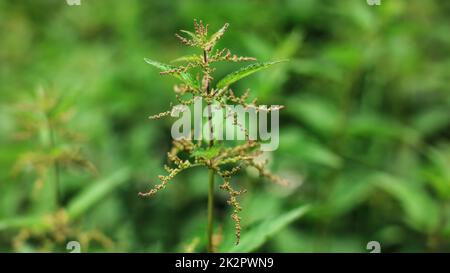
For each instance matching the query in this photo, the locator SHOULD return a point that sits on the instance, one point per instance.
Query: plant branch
(56, 167)
(206, 79)
(210, 230)
(210, 247)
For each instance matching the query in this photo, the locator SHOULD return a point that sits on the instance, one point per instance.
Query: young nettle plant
(196, 76)
(54, 148)
(43, 122)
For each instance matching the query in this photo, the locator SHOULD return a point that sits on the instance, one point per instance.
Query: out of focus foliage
(365, 136)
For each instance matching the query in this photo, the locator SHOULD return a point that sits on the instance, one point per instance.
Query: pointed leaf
(188, 58)
(216, 36)
(96, 192)
(244, 72)
(207, 153)
(193, 36)
(184, 76)
(37, 222)
(421, 210)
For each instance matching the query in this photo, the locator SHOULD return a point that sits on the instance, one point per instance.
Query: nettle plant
(220, 158)
(44, 125)
(54, 146)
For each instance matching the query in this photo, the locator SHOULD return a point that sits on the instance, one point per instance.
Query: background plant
(365, 129)
(53, 149)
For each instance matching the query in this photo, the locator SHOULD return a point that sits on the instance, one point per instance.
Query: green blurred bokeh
(364, 138)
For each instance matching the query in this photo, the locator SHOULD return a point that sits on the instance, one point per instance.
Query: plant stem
(208, 91)
(57, 185)
(210, 210)
(55, 167)
(210, 230)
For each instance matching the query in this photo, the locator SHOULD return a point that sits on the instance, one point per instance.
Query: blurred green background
(364, 138)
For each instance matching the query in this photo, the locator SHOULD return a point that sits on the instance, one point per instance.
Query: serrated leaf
(193, 36)
(183, 76)
(258, 235)
(188, 58)
(244, 72)
(216, 36)
(207, 153)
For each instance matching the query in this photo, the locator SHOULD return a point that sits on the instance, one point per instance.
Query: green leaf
(258, 235)
(38, 222)
(437, 173)
(216, 36)
(316, 112)
(421, 210)
(346, 194)
(299, 241)
(96, 192)
(244, 72)
(432, 120)
(306, 148)
(188, 58)
(207, 153)
(183, 76)
(161, 66)
(79, 205)
(193, 36)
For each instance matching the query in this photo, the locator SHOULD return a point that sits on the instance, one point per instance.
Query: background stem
(55, 165)
(210, 210)
(57, 185)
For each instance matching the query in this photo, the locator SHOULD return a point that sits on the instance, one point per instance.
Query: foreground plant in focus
(196, 76)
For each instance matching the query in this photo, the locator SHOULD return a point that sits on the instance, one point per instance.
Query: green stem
(57, 185)
(210, 210)
(210, 230)
(56, 169)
